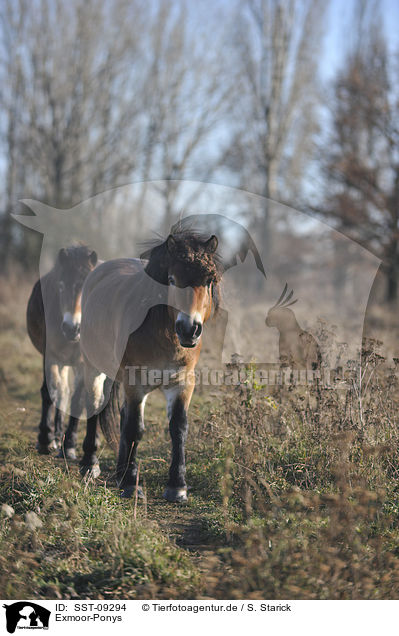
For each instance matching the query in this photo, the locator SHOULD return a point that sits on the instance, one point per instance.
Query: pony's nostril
(197, 329)
(188, 330)
(70, 330)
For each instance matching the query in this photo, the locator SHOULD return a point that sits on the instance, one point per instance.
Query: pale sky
(338, 34)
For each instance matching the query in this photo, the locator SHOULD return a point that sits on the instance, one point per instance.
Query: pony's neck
(161, 322)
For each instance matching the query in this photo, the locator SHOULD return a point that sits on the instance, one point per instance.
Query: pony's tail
(110, 416)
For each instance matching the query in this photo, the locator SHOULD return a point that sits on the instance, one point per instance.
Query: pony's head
(72, 268)
(187, 262)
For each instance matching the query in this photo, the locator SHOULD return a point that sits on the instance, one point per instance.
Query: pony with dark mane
(147, 315)
(53, 323)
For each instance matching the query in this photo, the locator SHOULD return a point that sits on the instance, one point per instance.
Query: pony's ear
(170, 243)
(93, 258)
(63, 256)
(211, 244)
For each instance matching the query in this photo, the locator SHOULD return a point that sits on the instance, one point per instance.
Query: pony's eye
(171, 280)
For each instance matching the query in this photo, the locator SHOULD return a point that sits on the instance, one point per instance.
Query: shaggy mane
(188, 249)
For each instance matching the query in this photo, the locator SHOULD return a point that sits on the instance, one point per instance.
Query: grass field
(293, 495)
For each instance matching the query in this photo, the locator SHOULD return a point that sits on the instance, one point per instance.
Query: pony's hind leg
(132, 429)
(178, 399)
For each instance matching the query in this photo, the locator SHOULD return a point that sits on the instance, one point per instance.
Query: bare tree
(361, 159)
(106, 93)
(277, 45)
(187, 96)
(78, 90)
(73, 106)
(12, 101)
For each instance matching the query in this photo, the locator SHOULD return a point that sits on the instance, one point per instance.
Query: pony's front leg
(178, 402)
(58, 427)
(94, 385)
(61, 403)
(89, 465)
(45, 441)
(132, 429)
(69, 443)
(55, 391)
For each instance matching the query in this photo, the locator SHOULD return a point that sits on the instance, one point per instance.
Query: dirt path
(185, 528)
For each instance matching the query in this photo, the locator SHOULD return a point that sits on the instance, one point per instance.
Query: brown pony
(53, 323)
(142, 325)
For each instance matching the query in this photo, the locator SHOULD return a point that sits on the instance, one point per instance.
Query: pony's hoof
(90, 472)
(46, 449)
(67, 453)
(175, 495)
(130, 491)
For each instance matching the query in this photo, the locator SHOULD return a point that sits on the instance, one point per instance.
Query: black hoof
(46, 449)
(90, 471)
(67, 453)
(175, 495)
(130, 491)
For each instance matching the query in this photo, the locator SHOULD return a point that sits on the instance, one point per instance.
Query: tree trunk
(392, 281)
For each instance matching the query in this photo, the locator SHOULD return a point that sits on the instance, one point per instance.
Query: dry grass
(294, 494)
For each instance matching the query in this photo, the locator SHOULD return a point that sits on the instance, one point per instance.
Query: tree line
(99, 93)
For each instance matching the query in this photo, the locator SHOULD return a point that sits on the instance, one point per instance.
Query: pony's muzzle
(188, 329)
(71, 330)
